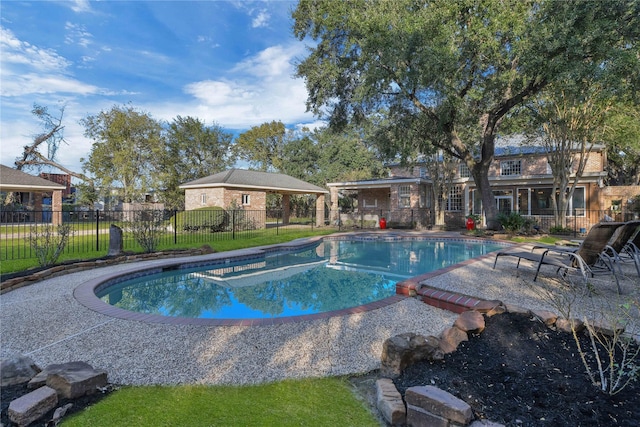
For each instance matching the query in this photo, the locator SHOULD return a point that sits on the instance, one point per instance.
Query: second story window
(203, 198)
(404, 196)
(510, 167)
(464, 171)
(246, 200)
(454, 201)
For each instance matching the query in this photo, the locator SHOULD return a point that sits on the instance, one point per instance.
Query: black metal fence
(89, 230)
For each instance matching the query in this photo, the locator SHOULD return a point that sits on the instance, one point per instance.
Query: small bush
(212, 218)
(147, 227)
(560, 230)
(48, 242)
(511, 222)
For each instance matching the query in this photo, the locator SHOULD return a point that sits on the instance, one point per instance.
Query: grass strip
(307, 402)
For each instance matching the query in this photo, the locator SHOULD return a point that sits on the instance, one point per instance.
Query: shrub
(147, 227)
(511, 222)
(213, 218)
(48, 242)
(558, 229)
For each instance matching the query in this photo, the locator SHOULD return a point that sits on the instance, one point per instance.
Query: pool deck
(47, 323)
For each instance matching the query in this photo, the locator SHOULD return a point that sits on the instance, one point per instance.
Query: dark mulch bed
(518, 372)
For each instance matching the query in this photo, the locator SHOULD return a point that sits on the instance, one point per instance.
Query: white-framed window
(454, 201)
(404, 196)
(510, 167)
(423, 172)
(371, 203)
(464, 171)
(203, 198)
(246, 199)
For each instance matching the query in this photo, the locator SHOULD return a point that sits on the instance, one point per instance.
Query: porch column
(334, 213)
(37, 207)
(286, 209)
(320, 210)
(56, 207)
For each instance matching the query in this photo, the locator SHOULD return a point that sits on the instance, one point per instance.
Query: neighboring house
(31, 190)
(520, 177)
(248, 190)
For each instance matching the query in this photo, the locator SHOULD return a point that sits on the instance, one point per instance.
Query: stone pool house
(520, 177)
(248, 189)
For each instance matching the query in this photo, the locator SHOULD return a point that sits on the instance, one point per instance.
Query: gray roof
(15, 180)
(255, 180)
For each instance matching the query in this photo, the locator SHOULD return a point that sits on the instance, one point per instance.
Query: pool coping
(85, 293)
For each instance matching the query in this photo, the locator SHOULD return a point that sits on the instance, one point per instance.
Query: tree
(346, 156)
(193, 150)
(461, 66)
(622, 137)
(126, 144)
(571, 124)
(262, 146)
(52, 136)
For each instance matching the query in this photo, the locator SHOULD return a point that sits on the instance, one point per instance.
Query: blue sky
(228, 62)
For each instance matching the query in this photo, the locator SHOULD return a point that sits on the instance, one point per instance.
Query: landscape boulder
(74, 383)
(30, 407)
(403, 350)
(17, 370)
(451, 338)
(55, 368)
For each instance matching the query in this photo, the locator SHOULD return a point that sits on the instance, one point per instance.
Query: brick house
(248, 190)
(520, 178)
(31, 190)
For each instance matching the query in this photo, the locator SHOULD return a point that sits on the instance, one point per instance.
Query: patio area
(45, 322)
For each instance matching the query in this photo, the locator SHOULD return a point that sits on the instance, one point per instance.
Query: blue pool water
(332, 275)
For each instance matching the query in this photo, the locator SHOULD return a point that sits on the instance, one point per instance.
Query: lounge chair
(589, 258)
(622, 236)
(631, 249)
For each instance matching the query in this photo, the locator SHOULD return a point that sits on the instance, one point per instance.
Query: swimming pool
(329, 276)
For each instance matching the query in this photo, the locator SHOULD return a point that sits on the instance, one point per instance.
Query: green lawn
(84, 247)
(308, 402)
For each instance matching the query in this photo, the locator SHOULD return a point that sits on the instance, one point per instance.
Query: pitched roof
(255, 180)
(15, 180)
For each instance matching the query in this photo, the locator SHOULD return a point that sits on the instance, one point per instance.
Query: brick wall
(222, 197)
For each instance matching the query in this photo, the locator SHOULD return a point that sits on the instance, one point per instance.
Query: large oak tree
(455, 68)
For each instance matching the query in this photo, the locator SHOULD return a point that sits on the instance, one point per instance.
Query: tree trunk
(438, 210)
(488, 200)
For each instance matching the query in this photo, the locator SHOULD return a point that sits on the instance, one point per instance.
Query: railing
(89, 230)
(89, 237)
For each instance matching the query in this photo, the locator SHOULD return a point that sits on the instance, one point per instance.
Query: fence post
(97, 230)
(575, 219)
(175, 226)
(233, 224)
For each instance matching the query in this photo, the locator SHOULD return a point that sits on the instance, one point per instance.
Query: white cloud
(259, 89)
(18, 85)
(262, 20)
(274, 61)
(80, 6)
(77, 34)
(27, 69)
(15, 51)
